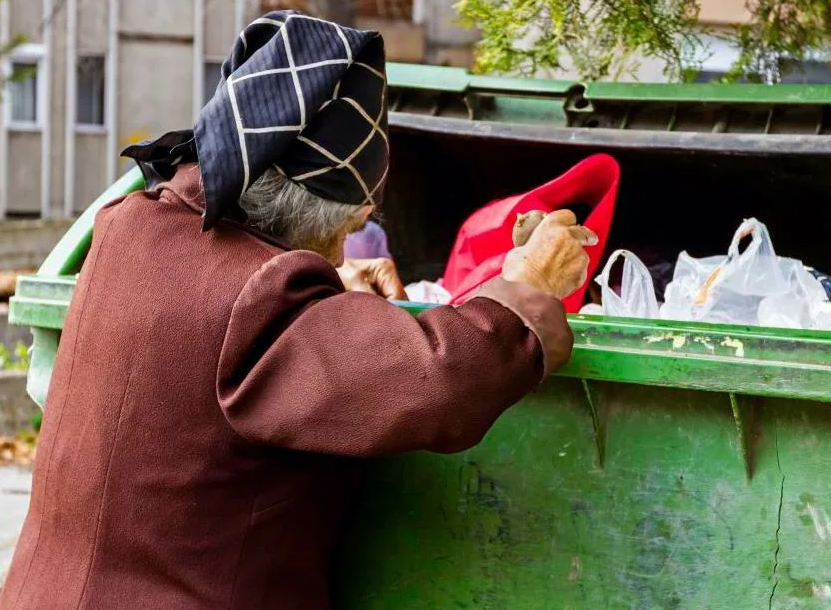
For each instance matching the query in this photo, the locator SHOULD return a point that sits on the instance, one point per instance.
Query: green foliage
(16, 360)
(601, 38)
(10, 46)
(781, 32)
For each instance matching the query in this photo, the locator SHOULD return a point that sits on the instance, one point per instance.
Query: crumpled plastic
(427, 292)
(753, 287)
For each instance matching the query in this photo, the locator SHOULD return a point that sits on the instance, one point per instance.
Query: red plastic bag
(486, 236)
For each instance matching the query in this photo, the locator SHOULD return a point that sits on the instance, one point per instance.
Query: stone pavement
(15, 486)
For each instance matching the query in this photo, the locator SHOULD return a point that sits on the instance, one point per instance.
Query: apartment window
(802, 73)
(91, 91)
(809, 72)
(23, 95)
(815, 69)
(23, 92)
(709, 76)
(213, 74)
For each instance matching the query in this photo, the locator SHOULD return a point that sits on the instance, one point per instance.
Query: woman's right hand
(550, 253)
(375, 275)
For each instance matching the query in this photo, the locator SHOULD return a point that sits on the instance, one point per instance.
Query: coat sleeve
(309, 367)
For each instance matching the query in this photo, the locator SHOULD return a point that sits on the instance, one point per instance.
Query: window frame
(91, 128)
(209, 60)
(724, 54)
(31, 54)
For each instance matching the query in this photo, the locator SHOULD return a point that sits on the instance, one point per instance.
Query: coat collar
(186, 187)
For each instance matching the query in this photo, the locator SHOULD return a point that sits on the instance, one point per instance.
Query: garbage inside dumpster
(369, 242)
(427, 292)
(486, 236)
(637, 294)
(752, 287)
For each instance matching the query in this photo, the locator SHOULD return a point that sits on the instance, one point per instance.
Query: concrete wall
(11, 335)
(93, 19)
(24, 181)
(163, 74)
(403, 41)
(448, 43)
(723, 11)
(25, 17)
(24, 244)
(90, 151)
(16, 408)
(158, 17)
(57, 110)
(220, 29)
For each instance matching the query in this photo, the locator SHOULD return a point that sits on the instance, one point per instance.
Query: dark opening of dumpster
(748, 285)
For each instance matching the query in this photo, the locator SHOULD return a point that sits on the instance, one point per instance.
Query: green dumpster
(669, 465)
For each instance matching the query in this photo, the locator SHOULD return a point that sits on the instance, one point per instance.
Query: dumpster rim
(616, 139)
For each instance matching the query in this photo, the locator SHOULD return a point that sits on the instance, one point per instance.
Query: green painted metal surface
(730, 359)
(532, 519)
(712, 93)
(709, 108)
(414, 76)
(42, 301)
(438, 78)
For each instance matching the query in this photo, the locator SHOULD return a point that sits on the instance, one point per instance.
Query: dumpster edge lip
(765, 145)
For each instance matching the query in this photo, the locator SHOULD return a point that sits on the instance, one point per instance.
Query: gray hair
(279, 207)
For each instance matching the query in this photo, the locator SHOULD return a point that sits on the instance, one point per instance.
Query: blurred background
(89, 77)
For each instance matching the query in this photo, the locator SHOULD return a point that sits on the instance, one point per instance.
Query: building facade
(99, 75)
(102, 74)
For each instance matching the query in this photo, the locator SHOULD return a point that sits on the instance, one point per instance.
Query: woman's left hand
(375, 275)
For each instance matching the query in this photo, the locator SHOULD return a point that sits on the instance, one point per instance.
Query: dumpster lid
(708, 108)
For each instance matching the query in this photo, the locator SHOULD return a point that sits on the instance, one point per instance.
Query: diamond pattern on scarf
(304, 95)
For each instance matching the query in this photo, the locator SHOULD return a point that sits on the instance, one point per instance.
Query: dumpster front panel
(676, 516)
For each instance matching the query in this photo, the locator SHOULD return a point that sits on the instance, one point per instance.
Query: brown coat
(212, 398)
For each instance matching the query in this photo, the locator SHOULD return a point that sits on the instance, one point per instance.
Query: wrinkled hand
(549, 253)
(374, 275)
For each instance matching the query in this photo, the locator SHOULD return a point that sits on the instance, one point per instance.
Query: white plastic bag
(803, 305)
(637, 292)
(754, 287)
(427, 292)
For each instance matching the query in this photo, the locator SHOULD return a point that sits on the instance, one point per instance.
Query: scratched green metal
(739, 359)
(530, 520)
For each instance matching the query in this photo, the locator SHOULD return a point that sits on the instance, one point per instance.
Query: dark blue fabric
(297, 93)
(824, 279)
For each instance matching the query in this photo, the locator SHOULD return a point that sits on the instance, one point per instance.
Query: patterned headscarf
(303, 95)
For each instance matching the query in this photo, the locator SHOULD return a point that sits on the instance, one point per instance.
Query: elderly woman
(216, 385)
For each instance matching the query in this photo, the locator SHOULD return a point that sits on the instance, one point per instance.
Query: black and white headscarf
(306, 96)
